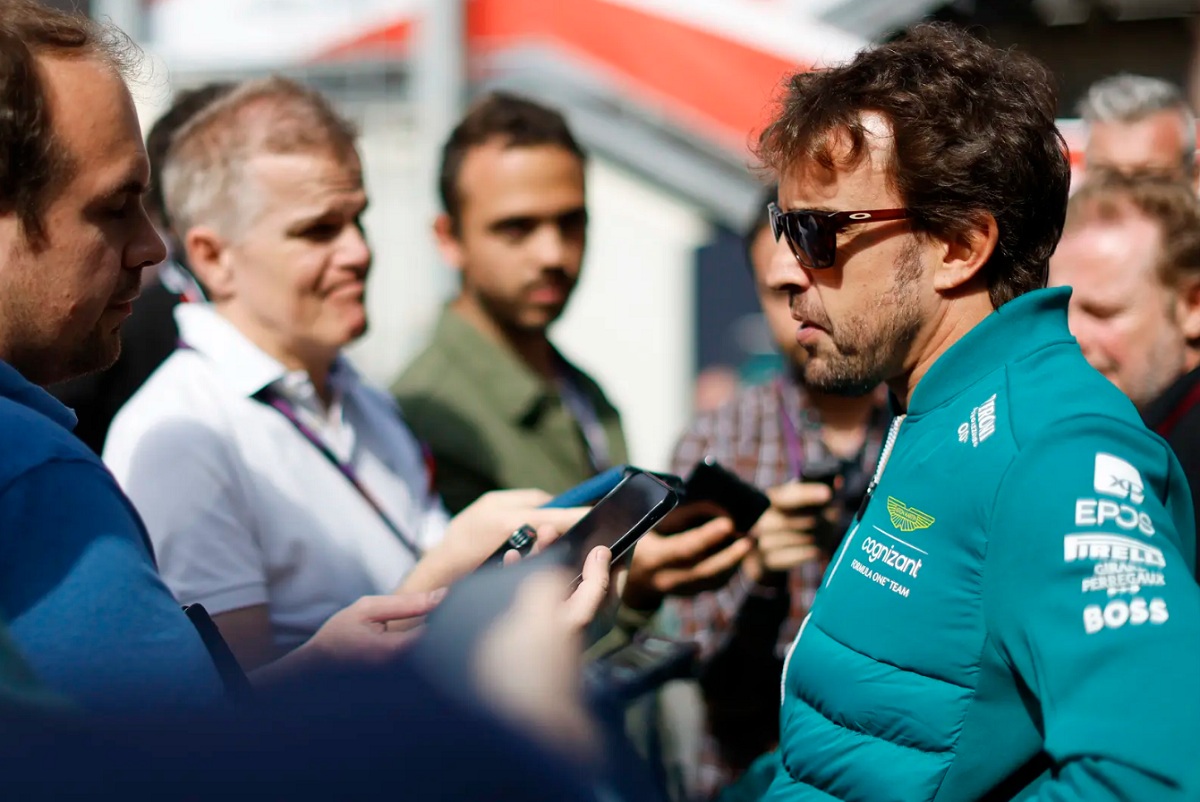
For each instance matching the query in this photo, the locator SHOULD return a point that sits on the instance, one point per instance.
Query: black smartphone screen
(629, 511)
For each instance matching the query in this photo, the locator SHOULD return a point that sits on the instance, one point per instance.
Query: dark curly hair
(33, 164)
(974, 130)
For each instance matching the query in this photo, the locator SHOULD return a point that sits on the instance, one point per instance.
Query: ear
(1187, 309)
(448, 244)
(967, 252)
(208, 257)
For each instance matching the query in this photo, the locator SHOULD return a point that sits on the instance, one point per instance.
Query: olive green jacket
(492, 423)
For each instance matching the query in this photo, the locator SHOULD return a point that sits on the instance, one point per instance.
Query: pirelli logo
(1111, 547)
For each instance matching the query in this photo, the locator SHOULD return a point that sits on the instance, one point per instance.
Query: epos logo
(1097, 512)
(1116, 477)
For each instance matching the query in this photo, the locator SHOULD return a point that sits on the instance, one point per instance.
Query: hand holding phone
(684, 563)
(785, 535)
(827, 471)
(710, 485)
(628, 503)
(630, 510)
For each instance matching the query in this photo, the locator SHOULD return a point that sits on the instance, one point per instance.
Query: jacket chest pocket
(906, 590)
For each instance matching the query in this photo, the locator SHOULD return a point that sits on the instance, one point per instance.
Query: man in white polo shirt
(277, 487)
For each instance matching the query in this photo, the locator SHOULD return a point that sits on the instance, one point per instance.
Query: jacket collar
(1016, 330)
(1158, 411)
(245, 366)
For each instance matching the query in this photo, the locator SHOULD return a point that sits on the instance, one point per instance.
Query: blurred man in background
(1131, 254)
(150, 335)
(1140, 124)
(816, 452)
(491, 395)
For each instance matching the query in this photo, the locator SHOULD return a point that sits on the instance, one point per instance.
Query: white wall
(630, 321)
(408, 283)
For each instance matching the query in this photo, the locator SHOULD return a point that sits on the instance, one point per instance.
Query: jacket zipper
(884, 456)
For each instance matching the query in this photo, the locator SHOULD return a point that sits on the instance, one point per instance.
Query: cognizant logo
(877, 550)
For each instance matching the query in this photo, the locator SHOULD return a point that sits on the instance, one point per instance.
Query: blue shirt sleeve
(1091, 601)
(85, 604)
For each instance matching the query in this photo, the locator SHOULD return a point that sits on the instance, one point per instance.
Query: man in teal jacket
(1012, 614)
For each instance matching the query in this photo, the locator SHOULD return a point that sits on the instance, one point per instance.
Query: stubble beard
(866, 349)
(46, 360)
(96, 353)
(517, 320)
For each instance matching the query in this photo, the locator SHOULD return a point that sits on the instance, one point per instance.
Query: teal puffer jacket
(1013, 614)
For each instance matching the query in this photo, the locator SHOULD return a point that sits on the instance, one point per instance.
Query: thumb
(589, 596)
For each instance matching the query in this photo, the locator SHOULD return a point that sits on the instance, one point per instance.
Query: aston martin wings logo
(906, 518)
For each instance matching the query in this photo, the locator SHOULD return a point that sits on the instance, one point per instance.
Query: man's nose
(784, 272)
(147, 247)
(354, 251)
(549, 246)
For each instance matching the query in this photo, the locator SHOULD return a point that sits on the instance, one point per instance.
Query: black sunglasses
(812, 236)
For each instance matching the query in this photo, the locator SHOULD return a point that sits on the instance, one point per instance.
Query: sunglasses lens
(811, 237)
(810, 240)
(822, 241)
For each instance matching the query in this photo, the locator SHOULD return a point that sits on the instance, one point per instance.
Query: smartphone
(824, 471)
(630, 510)
(641, 667)
(583, 494)
(591, 490)
(828, 536)
(711, 482)
(669, 479)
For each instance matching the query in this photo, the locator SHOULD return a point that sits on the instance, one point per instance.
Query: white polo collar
(245, 366)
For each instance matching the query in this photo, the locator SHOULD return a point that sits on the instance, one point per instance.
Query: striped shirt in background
(765, 435)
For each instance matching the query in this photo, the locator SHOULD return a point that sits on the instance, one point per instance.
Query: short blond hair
(204, 182)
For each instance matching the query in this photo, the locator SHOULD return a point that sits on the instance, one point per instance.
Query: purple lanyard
(791, 435)
(273, 399)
